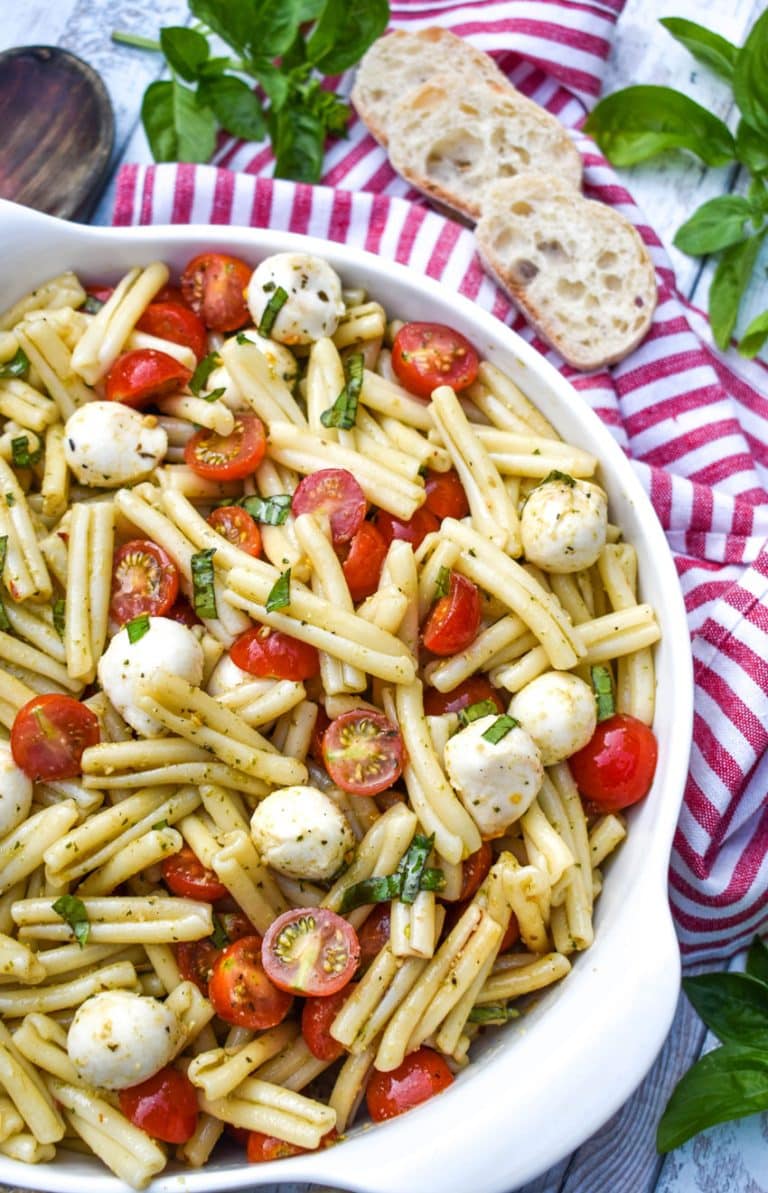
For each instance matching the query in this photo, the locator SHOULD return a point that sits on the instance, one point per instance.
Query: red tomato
(616, 767)
(241, 991)
(185, 875)
(471, 691)
(455, 619)
(317, 1015)
(143, 374)
(227, 457)
(101, 293)
(310, 950)
(271, 654)
(321, 724)
(49, 734)
(336, 493)
(374, 933)
(362, 567)
(474, 869)
(425, 355)
(511, 936)
(214, 285)
(238, 527)
(363, 752)
(171, 294)
(414, 531)
(445, 494)
(263, 1148)
(196, 958)
(183, 612)
(175, 322)
(165, 1106)
(421, 1075)
(144, 580)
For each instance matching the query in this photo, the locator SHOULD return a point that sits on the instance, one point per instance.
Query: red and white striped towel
(693, 421)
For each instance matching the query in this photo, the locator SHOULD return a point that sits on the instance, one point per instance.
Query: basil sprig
(271, 511)
(279, 596)
(638, 123)
(73, 911)
(204, 592)
(343, 412)
(411, 876)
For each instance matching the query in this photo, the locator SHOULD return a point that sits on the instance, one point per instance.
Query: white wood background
(621, 1157)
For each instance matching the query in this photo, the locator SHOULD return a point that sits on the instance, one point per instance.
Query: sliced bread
(400, 61)
(577, 269)
(451, 138)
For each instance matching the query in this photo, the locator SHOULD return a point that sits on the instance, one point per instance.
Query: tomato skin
(185, 875)
(363, 752)
(213, 284)
(362, 566)
(227, 457)
(271, 654)
(374, 933)
(183, 612)
(472, 691)
(336, 493)
(165, 1106)
(175, 322)
(317, 1015)
(262, 1148)
(144, 580)
(310, 951)
(196, 958)
(445, 494)
(616, 767)
(425, 355)
(474, 869)
(321, 724)
(422, 1074)
(49, 734)
(143, 374)
(241, 991)
(414, 531)
(237, 527)
(455, 619)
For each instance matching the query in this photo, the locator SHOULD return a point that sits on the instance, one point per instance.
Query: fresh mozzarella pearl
(300, 832)
(314, 304)
(496, 781)
(563, 525)
(15, 791)
(109, 444)
(559, 711)
(227, 677)
(118, 1038)
(167, 647)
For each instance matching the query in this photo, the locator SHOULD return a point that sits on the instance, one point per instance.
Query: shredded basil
(500, 728)
(4, 622)
(271, 311)
(443, 583)
(204, 594)
(219, 936)
(21, 456)
(272, 511)
(59, 609)
(280, 593)
(160, 824)
(371, 890)
(411, 876)
(473, 712)
(201, 374)
(17, 366)
(602, 685)
(492, 1014)
(432, 879)
(412, 865)
(137, 627)
(92, 305)
(564, 477)
(343, 413)
(72, 911)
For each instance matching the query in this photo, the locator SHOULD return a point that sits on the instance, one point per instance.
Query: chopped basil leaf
(219, 937)
(371, 890)
(4, 622)
(59, 615)
(10, 500)
(21, 456)
(432, 879)
(280, 593)
(492, 1014)
(343, 412)
(272, 511)
(213, 395)
(204, 594)
(242, 338)
(443, 583)
(412, 865)
(201, 374)
(160, 824)
(500, 728)
(602, 685)
(271, 311)
(411, 876)
(473, 712)
(92, 305)
(17, 366)
(564, 477)
(137, 627)
(72, 911)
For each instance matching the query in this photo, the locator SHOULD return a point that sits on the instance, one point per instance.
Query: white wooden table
(620, 1158)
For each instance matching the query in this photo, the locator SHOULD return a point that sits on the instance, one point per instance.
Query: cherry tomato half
(271, 654)
(422, 1074)
(616, 767)
(363, 752)
(196, 958)
(414, 531)
(143, 374)
(49, 734)
(374, 933)
(238, 527)
(362, 566)
(262, 1148)
(472, 691)
(177, 323)
(455, 619)
(144, 580)
(185, 875)
(445, 494)
(165, 1106)
(336, 493)
(182, 611)
(425, 355)
(241, 991)
(474, 869)
(214, 285)
(227, 457)
(317, 1015)
(171, 293)
(310, 950)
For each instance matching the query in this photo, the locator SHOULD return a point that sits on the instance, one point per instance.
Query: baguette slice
(577, 269)
(400, 61)
(452, 138)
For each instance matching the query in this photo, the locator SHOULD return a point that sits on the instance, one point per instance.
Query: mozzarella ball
(559, 711)
(118, 1038)
(109, 444)
(15, 791)
(314, 304)
(563, 525)
(227, 677)
(167, 647)
(496, 781)
(302, 833)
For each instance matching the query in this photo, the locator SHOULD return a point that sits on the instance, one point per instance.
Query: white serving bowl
(537, 1089)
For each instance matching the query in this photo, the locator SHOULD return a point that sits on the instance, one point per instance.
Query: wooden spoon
(58, 131)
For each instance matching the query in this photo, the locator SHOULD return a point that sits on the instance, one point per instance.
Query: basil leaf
(757, 961)
(750, 76)
(637, 123)
(754, 336)
(728, 285)
(92, 305)
(473, 712)
(203, 371)
(204, 594)
(59, 610)
(21, 456)
(716, 225)
(298, 138)
(137, 627)
(236, 107)
(432, 879)
(72, 910)
(4, 622)
(219, 937)
(17, 366)
(714, 51)
(492, 1014)
(185, 49)
(344, 32)
(232, 22)
(370, 890)
(733, 1005)
(160, 824)
(411, 867)
(343, 412)
(271, 311)
(276, 26)
(723, 1085)
(280, 593)
(272, 511)
(602, 686)
(276, 85)
(443, 583)
(178, 128)
(751, 148)
(500, 728)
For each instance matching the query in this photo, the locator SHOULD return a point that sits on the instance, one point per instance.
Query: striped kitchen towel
(693, 421)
